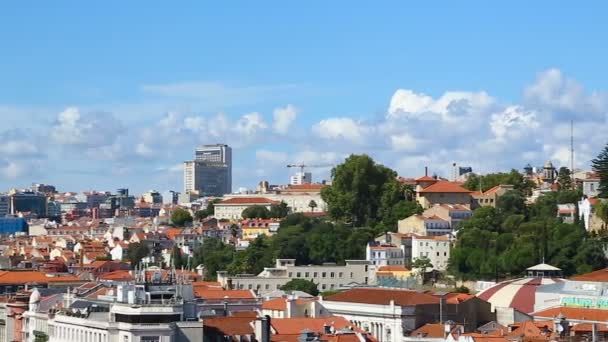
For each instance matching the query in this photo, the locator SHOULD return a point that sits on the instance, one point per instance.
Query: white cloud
(406, 103)
(552, 91)
(513, 122)
(11, 169)
(87, 130)
(403, 142)
(18, 148)
(273, 158)
(144, 150)
(341, 129)
(283, 118)
(250, 124)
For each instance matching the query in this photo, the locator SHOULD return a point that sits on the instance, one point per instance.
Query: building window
(351, 275)
(323, 286)
(306, 274)
(298, 275)
(323, 274)
(250, 286)
(290, 274)
(332, 274)
(340, 275)
(267, 287)
(445, 253)
(150, 339)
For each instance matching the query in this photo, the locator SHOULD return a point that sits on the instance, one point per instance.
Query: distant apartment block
(4, 205)
(301, 178)
(210, 173)
(326, 276)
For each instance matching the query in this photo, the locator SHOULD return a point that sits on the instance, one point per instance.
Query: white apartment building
(327, 276)
(436, 248)
(379, 254)
(301, 178)
(297, 197)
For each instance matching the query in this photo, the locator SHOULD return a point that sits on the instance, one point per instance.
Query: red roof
(393, 269)
(305, 187)
(574, 313)
(294, 326)
(119, 275)
(445, 187)
(276, 304)
(426, 179)
(23, 277)
(209, 293)
(230, 326)
(248, 200)
(383, 297)
(599, 275)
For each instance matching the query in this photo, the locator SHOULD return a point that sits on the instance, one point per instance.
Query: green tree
(422, 264)
(361, 191)
(511, 202)
(279, 211)
(214, 255)
(312, 205)
(600, 166)
(178, 259)
(180, 217)
(601, 210)
(136, 252)
(491, 180)
(304, 285)
(256, 211)
(254, 259)
(564, 178)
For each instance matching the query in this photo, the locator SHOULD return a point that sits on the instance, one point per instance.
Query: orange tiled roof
(230, 326)
(294, 326)
(426, 179)
(599, 275)
(393, 268)
(118, 275)
(574, 313)
(383, 297)
(248, 200)
(207, 293)
(445, 187)
(23, 277)
(278, 304)
(430, 330)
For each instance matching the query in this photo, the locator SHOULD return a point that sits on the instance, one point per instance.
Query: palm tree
(312, 205)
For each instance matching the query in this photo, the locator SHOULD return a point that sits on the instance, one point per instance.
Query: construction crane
(302, 166)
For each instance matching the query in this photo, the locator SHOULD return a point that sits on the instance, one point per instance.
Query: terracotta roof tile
(383, 297)
(248, 200)
(276, 304)
(445, 187)
(599, 275)
(574, 313)
(229, 326)
(22, 277)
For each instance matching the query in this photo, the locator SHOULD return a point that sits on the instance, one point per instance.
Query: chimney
(265, 334)
(225, 306)
(326, 328)
(426, 171)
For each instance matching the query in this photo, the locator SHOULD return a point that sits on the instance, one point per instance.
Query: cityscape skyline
(387, 90)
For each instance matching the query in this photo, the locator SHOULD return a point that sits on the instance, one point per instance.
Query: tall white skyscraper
(210, 173)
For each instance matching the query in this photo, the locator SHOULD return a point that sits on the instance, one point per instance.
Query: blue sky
(119, 93)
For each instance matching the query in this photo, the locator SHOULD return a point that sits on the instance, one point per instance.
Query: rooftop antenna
(572, 152)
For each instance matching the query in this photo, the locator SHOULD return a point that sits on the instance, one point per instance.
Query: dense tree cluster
(261, 212)
(209, 211)
(181, 217)
(501, 242)
(486, 182)
(364, 193)
(304, 285)
(136, 252)
(308, 240)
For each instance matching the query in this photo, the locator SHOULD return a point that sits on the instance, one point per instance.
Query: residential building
(232, 208)
(567, 212)
(43, 188)
(210, 173)
(436, 248)
(422, 225)
(590, 183)
(442, 192)
(253, 228)
(301, 178)
(453, 213)
(327, 276)
(382, 254)
(489, 198)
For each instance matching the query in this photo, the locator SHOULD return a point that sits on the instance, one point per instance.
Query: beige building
(490, 196)
(422, 225)
(232, 208)
(297, 197)
(327, 276)
(443, 192)
(453, 213)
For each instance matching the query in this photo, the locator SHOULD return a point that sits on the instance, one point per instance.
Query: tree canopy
(600, 165)
(180, 217)
(362, 192)
(491, 180)
(502, 242)
(256, 211)
(136, 252)
(304, 285)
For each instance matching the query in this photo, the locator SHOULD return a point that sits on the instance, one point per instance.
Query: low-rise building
(232, 208)
(489, 197)
(435, 248)
(327, 276)
(423, 225)
(443, 192)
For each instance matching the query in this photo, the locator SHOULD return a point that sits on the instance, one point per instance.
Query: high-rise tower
(210, 173)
